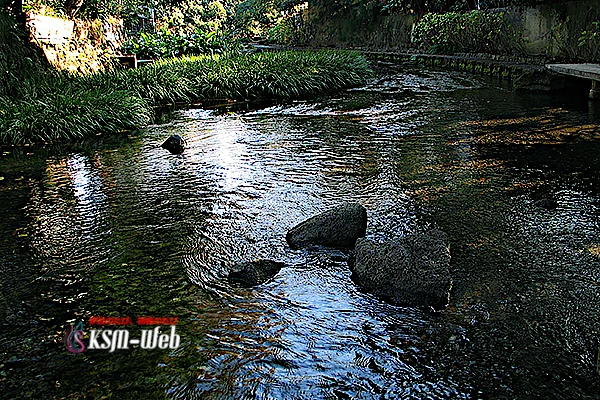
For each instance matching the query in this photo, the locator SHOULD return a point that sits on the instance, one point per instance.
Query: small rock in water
(175, 144)
(253, 273)
(337, 228)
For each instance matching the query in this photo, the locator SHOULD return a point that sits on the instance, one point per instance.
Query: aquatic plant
(272, 75)
(165, 43)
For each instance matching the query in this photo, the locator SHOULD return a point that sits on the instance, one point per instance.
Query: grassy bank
(61, 106)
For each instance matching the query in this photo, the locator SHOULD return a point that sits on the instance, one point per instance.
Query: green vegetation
(171, 28)
(177, 28)
(474, 31)
(451, 5)
(58, 106)
(40, 105)
(589, 41)
(165, 43)
(69, 113)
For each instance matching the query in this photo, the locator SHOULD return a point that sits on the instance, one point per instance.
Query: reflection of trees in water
(69, 216)
(550, 126)
(106, 233)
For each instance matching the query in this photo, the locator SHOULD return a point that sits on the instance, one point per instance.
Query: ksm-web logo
(115, 333)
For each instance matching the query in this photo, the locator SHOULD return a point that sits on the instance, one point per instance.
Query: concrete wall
(549, 29)
(554, 29)
(366, 29)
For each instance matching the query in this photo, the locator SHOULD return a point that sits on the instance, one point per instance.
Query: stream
(117, 226)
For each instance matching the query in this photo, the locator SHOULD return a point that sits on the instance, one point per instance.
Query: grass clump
(270, 75)
(19, 59)
(63, 106)
(70, 115)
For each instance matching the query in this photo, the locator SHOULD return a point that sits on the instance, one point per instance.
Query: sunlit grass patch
(269, 75)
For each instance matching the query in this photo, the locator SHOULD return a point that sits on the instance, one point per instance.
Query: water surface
(118, 226)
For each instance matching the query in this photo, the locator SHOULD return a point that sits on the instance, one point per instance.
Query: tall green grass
(272, 75)
(19, 59)
(70, 115)
(62, 106)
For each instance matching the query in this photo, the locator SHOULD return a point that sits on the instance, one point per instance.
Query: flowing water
(120, 227)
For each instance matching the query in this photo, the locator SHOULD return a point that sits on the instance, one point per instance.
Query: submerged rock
(412, 271)
(175, 144)
(338, 228)
(253, 273)
(547, 203)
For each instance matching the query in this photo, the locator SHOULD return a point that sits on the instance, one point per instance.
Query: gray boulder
(412, 271)
(253, 273)
(337, 228)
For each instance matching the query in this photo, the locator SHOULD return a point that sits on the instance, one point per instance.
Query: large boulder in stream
(253, 273)
(175, 144)
(412, 271)
(337, 228)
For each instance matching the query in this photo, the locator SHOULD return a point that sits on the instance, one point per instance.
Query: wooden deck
(586, 71)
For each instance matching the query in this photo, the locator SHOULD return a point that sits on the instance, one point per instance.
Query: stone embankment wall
(76, 45)
(367, 29)
(522, 76)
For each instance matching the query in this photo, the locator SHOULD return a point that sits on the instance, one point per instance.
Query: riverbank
(61, 106)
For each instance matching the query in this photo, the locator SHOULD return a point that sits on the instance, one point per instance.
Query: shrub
(281, 33)
(589, 42)
(166, 43)
(19, 59)
(474, 32)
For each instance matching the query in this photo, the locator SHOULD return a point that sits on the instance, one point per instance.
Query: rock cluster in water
(546, 203)
(412, 270)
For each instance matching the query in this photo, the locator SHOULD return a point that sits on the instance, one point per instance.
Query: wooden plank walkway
(587, 71)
